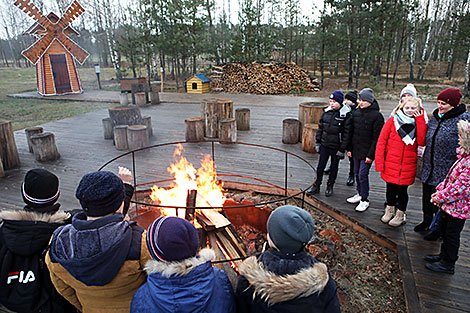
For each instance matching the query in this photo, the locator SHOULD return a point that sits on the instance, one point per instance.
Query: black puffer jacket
(366, 124)
(334, 128)
(25, 284)
(277, 282)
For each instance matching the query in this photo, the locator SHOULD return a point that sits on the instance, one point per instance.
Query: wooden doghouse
(198, 83)
(54, 53)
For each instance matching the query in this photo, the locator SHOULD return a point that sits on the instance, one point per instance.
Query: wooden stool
(137, 137)
(242, 116)
(147, 121)
(8, 151)
(125, 115)
(212, 112)
(308, 137)
(228, 130)
(140, 99)
(108, 128)
(120, 137)
(290, 131)
(44, 147)
(155, 98)
(194, 129)
(30, 132)
(123, 98)
(310, 112)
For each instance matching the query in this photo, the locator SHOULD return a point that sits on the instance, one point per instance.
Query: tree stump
(8, 150)
(123, 98)
(137, 88)
(108, 128)
(137, 137)
(140, 99)
(308, 137)
(30, 132)
(44, 147)
(228, 130)
(212, 112)
(120, 137)
(290, 130)
(2, 172)
(242, 115)
(125, 115)
(310, 112)
(194, 129)
(155, 98)
(147, 121)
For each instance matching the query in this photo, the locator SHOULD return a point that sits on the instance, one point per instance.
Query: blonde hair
(407, 100)
(464, 136)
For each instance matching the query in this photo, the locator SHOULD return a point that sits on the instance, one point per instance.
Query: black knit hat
(40, 189)
(352, 95)
(100, 193)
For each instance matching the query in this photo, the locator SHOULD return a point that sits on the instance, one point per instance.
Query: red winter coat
(396, 161)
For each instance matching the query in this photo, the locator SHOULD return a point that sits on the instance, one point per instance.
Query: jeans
(325, 154)
(451, 229)
(397, 195)
(361, 171)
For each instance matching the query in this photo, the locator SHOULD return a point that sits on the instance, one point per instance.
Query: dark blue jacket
(334, 128)
(190, 285)
(278, 282)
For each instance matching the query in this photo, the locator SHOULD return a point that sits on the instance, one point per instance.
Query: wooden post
(212, 112)
(228, 130)
(137, 137)
(290, 131)
(155, 98)
(147, 121)
(308, 137)
(123, 98)
(120, 137)
(8, 150)
(44, 147)
(310, 112)
(2, 172)
(242, 115)
(125, 115)
(30, 132)
(108, 128)
(194, 129)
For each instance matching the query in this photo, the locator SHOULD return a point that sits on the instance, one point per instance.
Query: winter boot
(398, 220)
(314, 190)
(350, 180)
(389, 213)
(441, 267)
(432, 258)
(327, 170)
(329, 190)
(424, 225)
(433, 236)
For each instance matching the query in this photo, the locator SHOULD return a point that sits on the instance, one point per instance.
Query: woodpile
(262, 78)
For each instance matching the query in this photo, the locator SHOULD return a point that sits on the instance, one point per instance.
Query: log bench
(228, 130)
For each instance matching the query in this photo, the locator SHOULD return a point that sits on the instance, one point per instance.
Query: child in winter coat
(350, 99)
(97, 262)
(178, 279)
(367, 123)
(453, 197)
(396, 156)
(286, 278)
(25, 284)
(332, 140)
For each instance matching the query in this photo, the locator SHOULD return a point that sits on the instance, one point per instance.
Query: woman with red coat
(396, 156)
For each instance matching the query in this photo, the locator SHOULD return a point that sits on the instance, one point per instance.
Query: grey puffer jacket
(442, 140)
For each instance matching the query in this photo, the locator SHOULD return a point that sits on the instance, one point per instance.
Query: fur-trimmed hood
(273, 289)
(179, 268)
(22, 215)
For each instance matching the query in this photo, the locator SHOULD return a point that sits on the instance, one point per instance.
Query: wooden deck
(83, 149)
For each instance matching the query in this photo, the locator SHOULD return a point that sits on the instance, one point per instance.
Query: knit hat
(172, 238)
(367, 94)
(352, 96)
(40, 189)
(338, 96)
(100, 193)
(451, 96)
(290, 228)
(409, 89)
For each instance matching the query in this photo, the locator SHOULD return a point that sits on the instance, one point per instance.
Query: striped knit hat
(172, 238)
(40, 190)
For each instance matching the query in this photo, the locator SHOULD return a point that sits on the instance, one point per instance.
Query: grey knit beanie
(367, 94)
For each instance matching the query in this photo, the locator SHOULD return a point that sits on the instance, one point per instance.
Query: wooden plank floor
(83, 149)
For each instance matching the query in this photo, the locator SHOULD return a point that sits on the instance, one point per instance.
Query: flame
(186, 177)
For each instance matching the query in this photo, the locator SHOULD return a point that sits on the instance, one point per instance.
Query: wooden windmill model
(54, 53)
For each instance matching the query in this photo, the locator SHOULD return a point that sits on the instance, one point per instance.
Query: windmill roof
(36, 29)
(202, 77)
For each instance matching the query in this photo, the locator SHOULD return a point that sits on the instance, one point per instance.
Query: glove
(340, 155)
(125, 175)
(317, 148)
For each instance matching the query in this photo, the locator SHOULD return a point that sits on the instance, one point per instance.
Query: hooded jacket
(25, 284)
(334, 128)
(98, 264)
(442, 140)
(190, 285)
(367, 124)
(396, 161)
(277, 282)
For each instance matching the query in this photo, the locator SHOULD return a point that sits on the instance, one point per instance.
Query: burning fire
(186, 177)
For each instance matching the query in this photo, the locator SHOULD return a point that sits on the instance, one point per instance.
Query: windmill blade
(37, 49)
(78, 53)
(72, 12)
(29, 8)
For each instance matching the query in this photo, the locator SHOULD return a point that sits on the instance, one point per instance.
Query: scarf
(406, 127)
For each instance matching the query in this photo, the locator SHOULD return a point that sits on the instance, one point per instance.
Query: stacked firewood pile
(262, 78)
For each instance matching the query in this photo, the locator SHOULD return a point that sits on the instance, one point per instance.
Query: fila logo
(21, 277)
